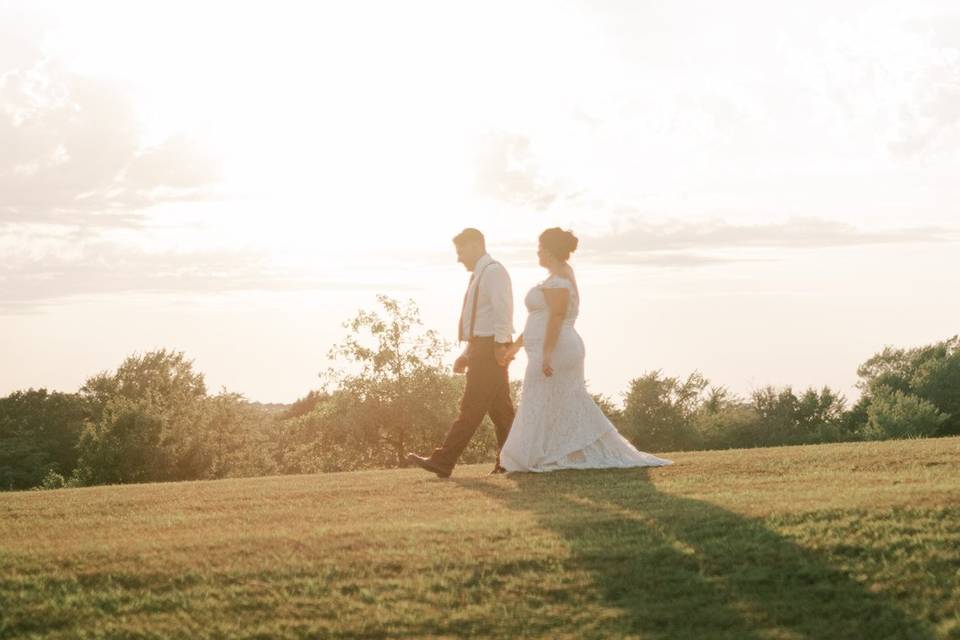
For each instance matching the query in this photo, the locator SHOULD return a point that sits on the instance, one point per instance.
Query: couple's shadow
(674, 567)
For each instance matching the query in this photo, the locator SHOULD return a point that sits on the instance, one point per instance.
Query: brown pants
(487, 392)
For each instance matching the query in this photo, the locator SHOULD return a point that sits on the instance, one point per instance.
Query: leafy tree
(717, 399)
(658, 411)
(723, 420)
(401, 397)
(318, 440)
(613, 413)
(729, 425)
(789, 419)
(124, 445)
(155, 401)
(235, 437)
(305, 404)
(931, 373)
(38, 435)
(164, 380)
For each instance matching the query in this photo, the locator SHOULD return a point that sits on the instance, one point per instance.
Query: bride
(558, 425)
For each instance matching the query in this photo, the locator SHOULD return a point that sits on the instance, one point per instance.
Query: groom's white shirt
(494, 303)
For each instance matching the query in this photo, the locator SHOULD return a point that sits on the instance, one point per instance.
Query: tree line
(388, 391)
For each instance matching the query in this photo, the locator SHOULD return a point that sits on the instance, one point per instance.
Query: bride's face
(544, 256)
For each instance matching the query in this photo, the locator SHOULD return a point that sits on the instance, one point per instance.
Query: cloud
(693, 244)
(44, 268)
(660, 259)
(20, 35)
(639, 237)
(100, 267)
(892, 72)
(507, 170)
(72, 153)
(178, 165)
(22, 308)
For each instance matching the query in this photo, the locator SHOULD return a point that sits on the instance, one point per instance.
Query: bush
(53, 480)
(732, 426)
(895, 414)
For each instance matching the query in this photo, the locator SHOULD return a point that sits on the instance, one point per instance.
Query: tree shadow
(674, 567)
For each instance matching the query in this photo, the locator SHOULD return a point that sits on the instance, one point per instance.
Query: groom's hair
(469, 235)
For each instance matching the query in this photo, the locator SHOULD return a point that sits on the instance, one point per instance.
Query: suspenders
(476, 294)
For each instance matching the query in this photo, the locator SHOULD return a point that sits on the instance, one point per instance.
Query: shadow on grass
(673, 567)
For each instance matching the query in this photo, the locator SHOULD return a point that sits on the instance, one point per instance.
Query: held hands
(501, 353)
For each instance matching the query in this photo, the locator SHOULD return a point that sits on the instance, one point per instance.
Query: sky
(764, 191)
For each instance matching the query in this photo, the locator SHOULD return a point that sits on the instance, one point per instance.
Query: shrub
(53, 480)
(895, 414)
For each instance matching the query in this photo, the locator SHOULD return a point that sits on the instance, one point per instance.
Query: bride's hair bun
(559, 242)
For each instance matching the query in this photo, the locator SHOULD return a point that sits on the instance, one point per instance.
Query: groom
(486, 325)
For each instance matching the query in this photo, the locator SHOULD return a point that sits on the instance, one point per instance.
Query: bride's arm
(557, 301)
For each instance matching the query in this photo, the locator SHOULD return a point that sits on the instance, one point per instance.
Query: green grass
(829, 541)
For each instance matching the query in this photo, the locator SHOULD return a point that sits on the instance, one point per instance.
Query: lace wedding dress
(558, 425)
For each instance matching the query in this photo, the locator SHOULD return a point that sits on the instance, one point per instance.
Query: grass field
(829, 541)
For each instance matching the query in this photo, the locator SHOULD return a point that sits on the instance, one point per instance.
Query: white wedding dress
(558, 425)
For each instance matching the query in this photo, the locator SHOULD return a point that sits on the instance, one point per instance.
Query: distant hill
(271, 407)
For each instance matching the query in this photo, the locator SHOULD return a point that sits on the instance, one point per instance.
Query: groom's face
(468, 253)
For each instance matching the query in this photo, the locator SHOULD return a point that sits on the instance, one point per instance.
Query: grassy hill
(828, 541)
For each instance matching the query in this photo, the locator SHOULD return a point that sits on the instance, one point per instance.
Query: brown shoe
(429, 465)
(497, 470)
